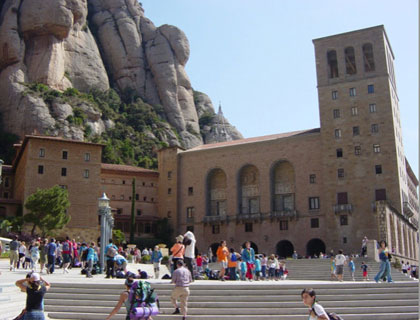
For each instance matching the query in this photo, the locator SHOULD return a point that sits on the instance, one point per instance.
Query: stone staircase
(320, 269)
(12, 301)
(245, 300)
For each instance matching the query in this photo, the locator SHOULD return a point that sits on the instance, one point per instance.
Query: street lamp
(104, 212)
(1, 166)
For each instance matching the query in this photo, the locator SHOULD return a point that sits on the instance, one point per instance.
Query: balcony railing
(408, 209)
(338, 208)
(283, 214)
(220, 218)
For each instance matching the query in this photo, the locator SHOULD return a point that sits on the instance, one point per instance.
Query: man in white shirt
(340, 260)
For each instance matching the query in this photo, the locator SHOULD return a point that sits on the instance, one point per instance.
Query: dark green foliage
(48, 210)
(118, 237)
(7, 140)
(206, 119)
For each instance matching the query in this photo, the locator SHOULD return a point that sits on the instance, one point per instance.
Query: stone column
(372, 250)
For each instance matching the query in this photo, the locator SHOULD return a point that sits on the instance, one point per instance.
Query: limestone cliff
(95, 45)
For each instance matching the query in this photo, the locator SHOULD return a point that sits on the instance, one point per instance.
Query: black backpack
(332, 315)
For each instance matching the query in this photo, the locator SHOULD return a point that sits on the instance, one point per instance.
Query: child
(283, 270)
(34, 256)
(264, 266)
(257, 268)
(364, 268)
(243, 269)
(333, 276)
(352, 268)
(316, 311)
(271, 267)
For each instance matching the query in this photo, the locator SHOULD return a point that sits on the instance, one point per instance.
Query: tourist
(248, 255)
(43, 254)
(333, 269)
(189, 255)
(385, 265)
(75, 252)
(83, 254)
(365, 268)
(404, 267)
(264, 269)
(177, 250)
(257, 268)
(181, 278)
(51, 251)
(210, 254)
(352, 268)
(145, 252)
(364, 247)
(137, 255)
(272, 267)
(35, 255)
(110, 252)
(22, 251)
(232, 264)
(316, 311)
(14, 253)
(242, 269)
(35, 288)
(90, 259)
(156, 259)
(340, 260)
(222, 254)
(199, 263)
(294, 255)
(67, 254)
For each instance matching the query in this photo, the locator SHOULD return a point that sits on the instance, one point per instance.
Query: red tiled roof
(125, 168)
(253, 140)
(61, 139)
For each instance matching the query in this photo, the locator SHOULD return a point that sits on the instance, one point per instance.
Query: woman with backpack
(385, 266)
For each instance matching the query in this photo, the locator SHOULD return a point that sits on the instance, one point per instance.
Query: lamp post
(1, 166)
(105, 213)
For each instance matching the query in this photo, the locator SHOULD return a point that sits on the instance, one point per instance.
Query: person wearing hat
(177, 250)
(35, 287)
(181, 278)
(124, 297)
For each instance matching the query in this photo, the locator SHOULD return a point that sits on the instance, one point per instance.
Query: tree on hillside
(48, 210)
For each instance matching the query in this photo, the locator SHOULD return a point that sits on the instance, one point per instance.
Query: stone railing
(408, 209)
(215, 219)
(338, 208)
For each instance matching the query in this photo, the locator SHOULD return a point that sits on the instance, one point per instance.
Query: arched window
(350, 60)
(284, 249)
(315, 247)
(249, 190)
(368, 60)
(283, 187)
(216, 193)
(332, 64)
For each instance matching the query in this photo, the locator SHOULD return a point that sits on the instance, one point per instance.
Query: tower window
(313, 203)
(63, 172)
(190, 212)
(372, 108)
(87, 156)
(354, 111)
(336, 113)
(337, 133)
(344, 220)
(40, 169)
(65, 155)
(376, 148)
(371, 88)
(332, 63)
(352, 92)
(375, 128)
(357, 150)
(42, 153)
(350, 60)
(312, 178)
(334, 94)
(86, 173)
(190, 191)
(340, 173)
(339, 153)
(284, 225)
(248, 227)
(378, 169)
(315, 223)
(368, 57)
(356, 131)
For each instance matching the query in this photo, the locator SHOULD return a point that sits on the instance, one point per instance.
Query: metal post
(103, 240)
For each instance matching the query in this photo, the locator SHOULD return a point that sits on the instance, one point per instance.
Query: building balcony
(215, 219)
(249, 217)
(408, 209)
(339, 208)
(283, 214)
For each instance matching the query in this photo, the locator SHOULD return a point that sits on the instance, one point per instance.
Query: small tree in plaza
(48, 210)
(118, 237)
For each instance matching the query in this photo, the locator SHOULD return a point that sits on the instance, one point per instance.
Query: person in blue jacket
(248, 256)
(111, 251)
(156, 259)
(90, 259)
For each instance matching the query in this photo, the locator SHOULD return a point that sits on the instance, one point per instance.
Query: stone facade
(313, 190)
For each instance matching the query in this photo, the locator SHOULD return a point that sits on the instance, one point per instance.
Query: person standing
(22, 251)
(364, 268)
(232, 264)
(364, 247)
(222, 254)
(181, 278)
(52, 248)
(35, 288)
(352, 268)
(385, 266)
(111, 251)
(316, 311)
(43, 254)
(156, 259)
(177, 250)
(14, 253)
(90, 259)
(189, 254)
(248, 255)
(67, 252)
(35, 255)
(340, 260)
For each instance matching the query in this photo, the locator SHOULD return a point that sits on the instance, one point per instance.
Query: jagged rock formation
(50, 42)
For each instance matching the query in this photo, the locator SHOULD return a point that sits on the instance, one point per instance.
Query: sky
(257, 57)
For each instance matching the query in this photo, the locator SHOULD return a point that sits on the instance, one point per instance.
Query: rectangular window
(342, 198)
(312, 178)
(87, 156)
(63, 172)
(144, 198)
(354, 111)
(340, 173)
(123, 182)
(86, 173)
(42, 153)
(248, 227)
(372, 108)
(65, 155)
(40, 169)
(339, 153)
(344, 240)
(190, 191)
(371, 88)
(336, 113)
(169, 190)
(169, 214)
(313, 203)
(190, 212)
(284, 202)
(6, 182)
(169, 175)
(374, 128)
(337, 133)
(215, 229)
(376, 148)
(284, 225)
(334, 94)
(378, 169)
(356, 131)
(352, 92)
(314, 223)
(357, 150)
(380, 194)
(119, 210)
(138, 212)
(137, 196)
(344, 220)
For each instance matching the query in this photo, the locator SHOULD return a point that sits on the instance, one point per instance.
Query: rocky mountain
(75, 47)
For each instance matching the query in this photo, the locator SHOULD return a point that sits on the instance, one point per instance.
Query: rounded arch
(368, 59)
(248, 189)
(332, 64)
(253, 246)
(350, 60)
(282, 183)
(315, 247)
(284, 249)
(216, 183)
